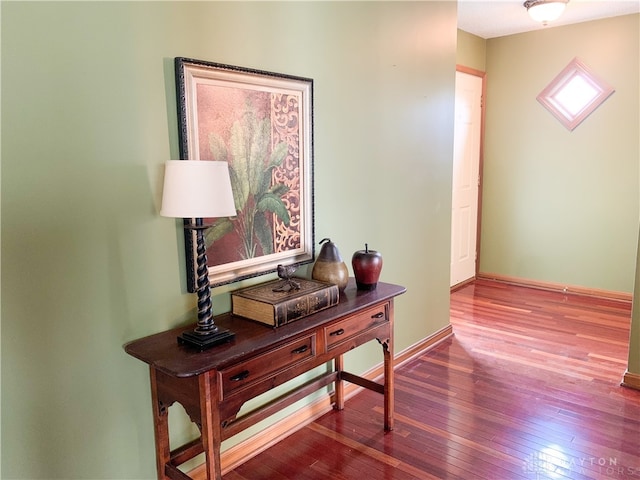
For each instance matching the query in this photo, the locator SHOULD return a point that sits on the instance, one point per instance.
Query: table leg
(211, 429)
(160, 427)
(339, 384)
(387, 349)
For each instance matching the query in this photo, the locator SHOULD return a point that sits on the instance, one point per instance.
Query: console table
(212, 385)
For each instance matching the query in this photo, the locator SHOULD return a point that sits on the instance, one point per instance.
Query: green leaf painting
(251, 160)
(261, 124)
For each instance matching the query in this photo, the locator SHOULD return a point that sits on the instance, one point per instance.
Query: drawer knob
(378, 315)
(301, 349)
(337, 333)
(240, 376)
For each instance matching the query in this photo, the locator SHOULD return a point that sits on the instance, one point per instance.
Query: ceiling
(489, 19)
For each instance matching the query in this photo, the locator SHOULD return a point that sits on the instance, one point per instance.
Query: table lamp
(194, 190)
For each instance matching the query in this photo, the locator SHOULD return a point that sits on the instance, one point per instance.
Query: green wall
(561, 206)
(633, 365)
(88, 119)
(471, 51)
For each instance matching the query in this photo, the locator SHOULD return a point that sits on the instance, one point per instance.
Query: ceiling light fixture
(545, 11)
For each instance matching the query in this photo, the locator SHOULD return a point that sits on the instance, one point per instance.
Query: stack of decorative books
(275, 303)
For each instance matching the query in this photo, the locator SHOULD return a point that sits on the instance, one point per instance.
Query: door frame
(483, 97)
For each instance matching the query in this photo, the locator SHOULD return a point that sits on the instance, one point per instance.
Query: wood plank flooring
(528, 388)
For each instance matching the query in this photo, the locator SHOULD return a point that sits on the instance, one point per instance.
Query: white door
(466, 176)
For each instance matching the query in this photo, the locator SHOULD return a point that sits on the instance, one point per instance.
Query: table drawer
(261, 366)
(344, 330)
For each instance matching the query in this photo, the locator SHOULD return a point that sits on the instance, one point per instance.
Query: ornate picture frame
(261, 123)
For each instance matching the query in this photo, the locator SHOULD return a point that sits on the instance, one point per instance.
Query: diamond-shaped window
(574, 94)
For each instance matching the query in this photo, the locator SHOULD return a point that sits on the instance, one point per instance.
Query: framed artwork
(261, 123)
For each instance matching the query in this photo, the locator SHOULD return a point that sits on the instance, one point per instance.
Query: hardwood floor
(527, 388)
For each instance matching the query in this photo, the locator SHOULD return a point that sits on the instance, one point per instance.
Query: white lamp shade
(547, 11)
(197, 189)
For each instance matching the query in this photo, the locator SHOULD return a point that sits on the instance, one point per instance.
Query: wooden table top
(163, 352)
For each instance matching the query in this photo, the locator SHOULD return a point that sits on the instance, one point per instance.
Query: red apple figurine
(367, 265)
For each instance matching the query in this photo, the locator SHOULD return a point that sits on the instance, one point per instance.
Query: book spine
(296, 308)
